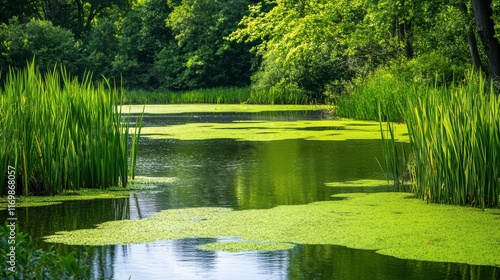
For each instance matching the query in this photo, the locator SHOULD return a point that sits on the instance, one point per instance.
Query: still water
(240, 175)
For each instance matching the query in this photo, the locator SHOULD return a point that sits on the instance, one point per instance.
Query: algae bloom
(390, 223)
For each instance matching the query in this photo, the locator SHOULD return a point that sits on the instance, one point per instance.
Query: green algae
(275, 130)
(139, 184)
(359, 183)
(245, 246)
(216, 108)
(390, 223)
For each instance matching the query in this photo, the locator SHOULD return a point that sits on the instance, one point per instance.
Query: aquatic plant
(60, 133)
(276, 130)
(390, 223)
(394, 158)
(455, 136)
(241, 246)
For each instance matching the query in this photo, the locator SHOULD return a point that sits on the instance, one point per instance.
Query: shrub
(49, 45)
(33, 263)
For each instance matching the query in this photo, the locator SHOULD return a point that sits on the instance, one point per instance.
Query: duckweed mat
(389, 223)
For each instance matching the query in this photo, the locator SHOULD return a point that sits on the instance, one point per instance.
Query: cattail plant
(61, 133)
(455, 136)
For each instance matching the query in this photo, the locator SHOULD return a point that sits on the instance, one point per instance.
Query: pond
(241, 162)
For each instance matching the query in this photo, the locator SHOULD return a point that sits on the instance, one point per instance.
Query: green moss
(140, 184)
(246, 246)
(389, 223)
(267, 131)
(216, 108)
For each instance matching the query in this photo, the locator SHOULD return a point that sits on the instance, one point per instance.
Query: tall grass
(275, 95)
(217, 96)
(61, 134)
(455, 135)
(395, 162)
(214, 96)
(380, 89)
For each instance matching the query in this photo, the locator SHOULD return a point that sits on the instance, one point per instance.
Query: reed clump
(62, 134)
(455, 137)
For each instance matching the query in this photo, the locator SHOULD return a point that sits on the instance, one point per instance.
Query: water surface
(240, 175)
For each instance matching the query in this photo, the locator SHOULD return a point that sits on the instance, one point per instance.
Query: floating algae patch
(390, 223)
(140, 184)
(359, 183)
(216, 108)
(274, 130)
(242, 246)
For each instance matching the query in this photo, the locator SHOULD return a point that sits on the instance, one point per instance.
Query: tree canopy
(307, 48)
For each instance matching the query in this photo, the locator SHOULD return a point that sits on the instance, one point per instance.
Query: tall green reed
(380, 90)
(61, 133)
(455, 136)
(395, 163)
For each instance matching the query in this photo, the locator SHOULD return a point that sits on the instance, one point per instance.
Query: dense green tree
(100, 48)
(301, 48)
(21, 9)
(141, 38)
(199, 28)
(303, 44)
(47, 44)
(88, 10)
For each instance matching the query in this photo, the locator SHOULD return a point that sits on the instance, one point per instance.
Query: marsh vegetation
(63, 134)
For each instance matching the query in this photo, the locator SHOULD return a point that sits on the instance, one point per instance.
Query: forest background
(304, 50)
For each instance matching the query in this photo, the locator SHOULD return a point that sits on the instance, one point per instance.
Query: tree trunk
(81, 18)
(471, 39)
(405, 36)
(485, 28)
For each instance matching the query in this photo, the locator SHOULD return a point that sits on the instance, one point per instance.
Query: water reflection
(247, 175)
(180, 260)
(71, 215)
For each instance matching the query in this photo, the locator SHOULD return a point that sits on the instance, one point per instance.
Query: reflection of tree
(204, 172)
(70, 215)
(290, 172)
(337, 262)
(246, 175)
(273, 263)
(186, 251)
(103, 262)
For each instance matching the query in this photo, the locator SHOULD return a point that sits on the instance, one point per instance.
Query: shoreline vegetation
(454, 132)
(60, 133)
(220, 95)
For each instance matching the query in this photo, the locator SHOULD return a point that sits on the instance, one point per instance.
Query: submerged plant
(60, 133)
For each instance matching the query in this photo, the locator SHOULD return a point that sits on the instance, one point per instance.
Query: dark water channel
(241, 175)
